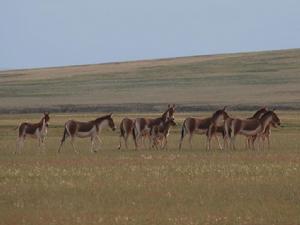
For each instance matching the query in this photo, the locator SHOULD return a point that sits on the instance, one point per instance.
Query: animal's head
(275, 119)
(219, 116)
(111, 123)
(170, 111)
(46, 117)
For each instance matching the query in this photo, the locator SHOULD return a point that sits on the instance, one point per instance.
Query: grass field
(147, 186)
(245, 79)
(191, 186)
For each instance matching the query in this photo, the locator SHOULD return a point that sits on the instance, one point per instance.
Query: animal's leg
(126, 141)
(20, 144)
(233, 142)
(165, 143)
(226, 142)
(65, 135)
(99, 142)
(144, 137)
(92, 144)
(40, 143)
(247, 142)
(208, 142)
(183, 133)
(252, 146)
(136, 139)
(220, 146)
(268, 140)
(73, 145)
(120, 142)
(44, 143)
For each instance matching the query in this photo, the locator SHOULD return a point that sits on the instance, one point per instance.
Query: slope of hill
(241, 80)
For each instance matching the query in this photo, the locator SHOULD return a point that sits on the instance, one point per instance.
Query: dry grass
(147, 186)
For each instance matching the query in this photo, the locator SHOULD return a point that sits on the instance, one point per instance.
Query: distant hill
(243, 81)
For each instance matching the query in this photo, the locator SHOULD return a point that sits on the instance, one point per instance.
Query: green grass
(147, 186)
(259, 78)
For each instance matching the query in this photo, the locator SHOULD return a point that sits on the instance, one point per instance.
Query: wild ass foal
(34, 130)
(252, 127)
(142, 126)
(160, 133)
(209, 126)
(86, 129)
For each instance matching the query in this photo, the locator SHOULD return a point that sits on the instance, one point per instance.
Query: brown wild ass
(34, 130)
(264, 136)
(142, 126)
(126, 128)
(257, 115)
(209, 126)
(252, 127)
(160, 133)
(86, 129)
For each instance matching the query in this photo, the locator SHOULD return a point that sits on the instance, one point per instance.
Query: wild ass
(34, 130)
(160, 133)
(209, 126)
(90, 129)
(252, 127)
(257, 115)
(142, 126)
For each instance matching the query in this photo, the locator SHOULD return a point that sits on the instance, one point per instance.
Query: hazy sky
(39, 33)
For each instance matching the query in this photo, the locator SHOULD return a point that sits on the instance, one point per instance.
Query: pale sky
(42, 33)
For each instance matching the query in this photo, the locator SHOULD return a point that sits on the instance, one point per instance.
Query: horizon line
(144, 60)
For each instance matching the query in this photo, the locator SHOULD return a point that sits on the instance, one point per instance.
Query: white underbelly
(250, 132)
(84, 134)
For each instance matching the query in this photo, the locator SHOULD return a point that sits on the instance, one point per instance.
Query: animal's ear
(224, 108)
(111, 114)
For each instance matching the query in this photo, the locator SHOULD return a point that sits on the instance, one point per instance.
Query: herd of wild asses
(156, 130)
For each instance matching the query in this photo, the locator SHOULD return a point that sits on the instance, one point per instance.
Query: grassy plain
(258, 78)
(192, 186)
(147, 186)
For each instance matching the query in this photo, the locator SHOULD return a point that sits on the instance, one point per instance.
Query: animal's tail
(63, 138)
(122, 131)
(183, 130)
(231, 130)
(134, 134)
